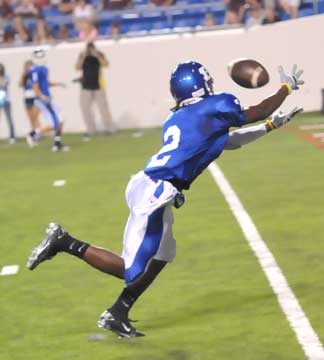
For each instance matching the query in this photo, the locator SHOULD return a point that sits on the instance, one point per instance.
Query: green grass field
(212, 302)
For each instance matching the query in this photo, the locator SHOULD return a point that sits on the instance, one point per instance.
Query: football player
(38, 74)
(194, 134)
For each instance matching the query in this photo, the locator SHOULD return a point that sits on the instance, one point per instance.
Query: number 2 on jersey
(173, 131)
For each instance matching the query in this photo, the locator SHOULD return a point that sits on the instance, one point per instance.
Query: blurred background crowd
(43, 21)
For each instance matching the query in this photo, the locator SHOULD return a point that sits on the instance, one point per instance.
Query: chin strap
(189, 101)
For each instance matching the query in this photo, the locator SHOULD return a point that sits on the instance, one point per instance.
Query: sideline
(289, 304)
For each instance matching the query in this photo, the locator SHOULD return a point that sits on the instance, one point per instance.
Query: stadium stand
(138, 17)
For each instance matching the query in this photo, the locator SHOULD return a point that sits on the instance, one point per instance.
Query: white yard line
(318, 135)
(9, 270)
(298, 321)
(311, 127)
(58, 183)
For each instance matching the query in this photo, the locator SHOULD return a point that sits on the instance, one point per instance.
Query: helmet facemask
(39, 57)
(190, 80)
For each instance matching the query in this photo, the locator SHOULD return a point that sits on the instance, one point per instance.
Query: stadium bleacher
(143, 18)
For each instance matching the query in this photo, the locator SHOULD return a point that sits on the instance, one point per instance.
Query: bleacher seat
(321, 7)
(162, 24)
(141, 18)
(51, 11)
(103, 30)
(140, 2)
(305, 12)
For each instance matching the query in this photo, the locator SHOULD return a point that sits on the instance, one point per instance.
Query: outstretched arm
(57, 84)
(243, 136)
(289, 82)
(267, 106)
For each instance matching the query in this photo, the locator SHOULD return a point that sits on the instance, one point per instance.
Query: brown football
(248, 73)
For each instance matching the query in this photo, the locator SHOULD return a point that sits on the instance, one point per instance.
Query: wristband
(288, 86)
(270, 124)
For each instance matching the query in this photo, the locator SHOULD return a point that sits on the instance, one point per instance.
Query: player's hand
(293, 79)
(281, 118)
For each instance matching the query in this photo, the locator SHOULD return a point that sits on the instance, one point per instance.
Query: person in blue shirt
(5, 103)
(39, 77)
(194, 134)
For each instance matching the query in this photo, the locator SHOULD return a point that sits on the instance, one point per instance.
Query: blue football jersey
(193, 137)
(39, 74)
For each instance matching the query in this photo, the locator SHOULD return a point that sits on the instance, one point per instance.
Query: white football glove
(291, 79)
(280, 118)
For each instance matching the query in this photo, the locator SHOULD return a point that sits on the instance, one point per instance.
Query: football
(248, 73)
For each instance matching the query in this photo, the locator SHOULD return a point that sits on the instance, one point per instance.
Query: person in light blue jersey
(5, 103)
(194, 134)
(39, 76)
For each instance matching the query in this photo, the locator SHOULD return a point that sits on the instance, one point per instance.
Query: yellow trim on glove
(288, 87)
(270, 124)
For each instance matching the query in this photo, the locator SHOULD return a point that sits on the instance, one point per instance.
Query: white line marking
(59, 182)
(318, 135)
(298, 321)
(311, 127)
(9, 270)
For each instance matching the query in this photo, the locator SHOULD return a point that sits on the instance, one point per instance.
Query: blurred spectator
(40, 4)
(2, 32)
(162, 2)
(20, 34)
(5, 102)
(43, 32)
(115, 29)
(115, 4)
(26, 8)
(26, 83)
(90, 62)
(84, 16)
(6, 11)
(84, 11)
(291, 7)
(209, 20)
(67, 6)
(54, 3)
(88, 33)
(63, 33)
(8, 36)
(234, 11)
(270, 15)
(255, 13)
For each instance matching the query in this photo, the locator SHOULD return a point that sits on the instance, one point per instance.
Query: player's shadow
(213, 303)
(171, 355)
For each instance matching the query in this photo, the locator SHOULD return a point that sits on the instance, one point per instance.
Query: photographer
(90, 62)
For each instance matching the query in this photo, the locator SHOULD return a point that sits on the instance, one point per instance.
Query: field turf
(212, 302)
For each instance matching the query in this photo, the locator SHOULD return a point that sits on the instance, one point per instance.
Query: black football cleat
(122, 328)
(48, 248)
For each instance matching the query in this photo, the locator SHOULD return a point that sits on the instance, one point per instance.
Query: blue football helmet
(190, 79)
(39, 56)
